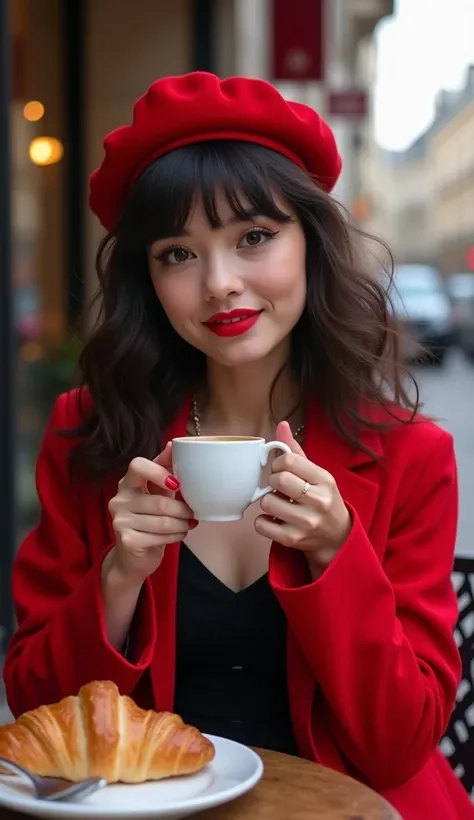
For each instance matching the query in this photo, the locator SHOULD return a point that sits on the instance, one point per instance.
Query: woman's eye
(175, 256)
(257, 236)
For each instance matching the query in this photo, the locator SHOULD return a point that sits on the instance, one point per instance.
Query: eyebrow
(236, 219)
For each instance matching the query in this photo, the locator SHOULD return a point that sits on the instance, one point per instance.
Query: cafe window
(38, 229)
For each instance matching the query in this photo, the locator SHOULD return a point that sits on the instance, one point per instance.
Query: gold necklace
(197, 420)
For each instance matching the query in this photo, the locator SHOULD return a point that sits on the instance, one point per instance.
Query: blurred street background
(394, 79)
(449, 398)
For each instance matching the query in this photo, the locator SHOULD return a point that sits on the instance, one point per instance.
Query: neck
(237, 399)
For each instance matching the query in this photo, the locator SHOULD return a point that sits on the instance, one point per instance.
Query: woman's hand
(146, 517)
(306, 511)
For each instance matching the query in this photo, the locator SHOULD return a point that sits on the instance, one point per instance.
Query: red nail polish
(193, 523)
(171, 483)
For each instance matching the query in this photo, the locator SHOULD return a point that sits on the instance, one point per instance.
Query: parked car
(460, 288)
(424, 312)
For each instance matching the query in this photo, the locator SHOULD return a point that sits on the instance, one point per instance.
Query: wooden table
(295, 789)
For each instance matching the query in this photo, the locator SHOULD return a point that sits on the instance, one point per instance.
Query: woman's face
(235, 292)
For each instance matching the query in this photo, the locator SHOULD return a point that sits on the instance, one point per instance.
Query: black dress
(231, 659)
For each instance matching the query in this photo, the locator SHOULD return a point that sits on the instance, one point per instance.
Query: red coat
(373, 669)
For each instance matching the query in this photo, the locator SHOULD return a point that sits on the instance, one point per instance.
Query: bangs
(165, 194)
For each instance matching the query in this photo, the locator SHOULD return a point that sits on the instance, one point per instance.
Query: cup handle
(264, 454)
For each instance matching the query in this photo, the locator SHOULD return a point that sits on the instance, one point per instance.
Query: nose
(221, 279)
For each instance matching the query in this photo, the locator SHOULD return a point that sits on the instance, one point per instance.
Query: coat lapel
(357, 477)
(356, 473)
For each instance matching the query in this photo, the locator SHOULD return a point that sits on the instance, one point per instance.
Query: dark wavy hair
(138, 370)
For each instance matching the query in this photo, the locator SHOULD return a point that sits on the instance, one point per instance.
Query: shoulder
(71, 409)
(415, 441)
(70, 412)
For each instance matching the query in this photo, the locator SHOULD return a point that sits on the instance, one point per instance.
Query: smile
(234, 323)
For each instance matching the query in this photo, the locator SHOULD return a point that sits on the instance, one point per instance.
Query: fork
(47, 788)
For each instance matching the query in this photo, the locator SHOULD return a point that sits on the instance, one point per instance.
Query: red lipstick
(234, 322)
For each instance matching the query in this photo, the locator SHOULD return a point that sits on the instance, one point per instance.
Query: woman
(235, 303)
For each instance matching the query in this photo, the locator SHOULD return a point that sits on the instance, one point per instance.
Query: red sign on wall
(298, 38)
(350, 103)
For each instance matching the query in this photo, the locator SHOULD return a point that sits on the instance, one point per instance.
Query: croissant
(100, 733)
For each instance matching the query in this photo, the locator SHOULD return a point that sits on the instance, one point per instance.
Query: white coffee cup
(219, 476)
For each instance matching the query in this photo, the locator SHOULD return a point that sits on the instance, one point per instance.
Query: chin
(240, 355)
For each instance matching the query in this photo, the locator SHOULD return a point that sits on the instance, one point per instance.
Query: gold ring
(305, 489)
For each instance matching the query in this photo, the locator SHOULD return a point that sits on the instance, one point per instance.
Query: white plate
(233, 772)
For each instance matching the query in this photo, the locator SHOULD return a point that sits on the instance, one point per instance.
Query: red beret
(195, 107)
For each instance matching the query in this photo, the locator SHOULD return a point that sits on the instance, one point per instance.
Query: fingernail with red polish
(172, 483)
(193, 523)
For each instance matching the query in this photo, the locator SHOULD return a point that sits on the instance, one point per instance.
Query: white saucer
(233, 772)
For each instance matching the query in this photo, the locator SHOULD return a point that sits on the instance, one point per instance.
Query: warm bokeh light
(31, 352)
(33, 111)
(45, 151)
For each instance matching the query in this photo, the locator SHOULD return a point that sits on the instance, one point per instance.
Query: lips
(234, 322)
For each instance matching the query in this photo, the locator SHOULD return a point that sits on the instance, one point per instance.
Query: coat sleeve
(379, 636)
(61, 640)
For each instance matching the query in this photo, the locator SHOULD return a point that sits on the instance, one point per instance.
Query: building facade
(348, 26)
(452, 159)
(421, 200)
(398, 187)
